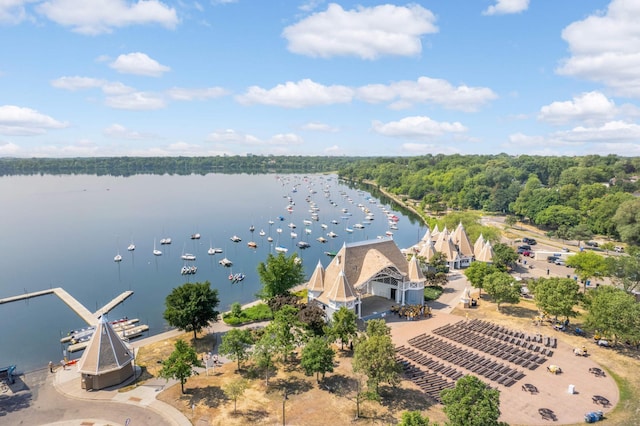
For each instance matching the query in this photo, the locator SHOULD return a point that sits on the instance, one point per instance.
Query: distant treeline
(569, 197)
(129, 166)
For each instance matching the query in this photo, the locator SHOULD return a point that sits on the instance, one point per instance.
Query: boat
(117, 258)
(306, 222)
(225, 262)
(281, 249)
(349, 230)
(252, 228)
(294, 235)
(331, 253)
(252, 244)
(211, 251)
(262, 233)
(165, 241)
(236, 239)
(307, 231)
(234, 278)
(188, 256)
(303, 244)
(131, 247)
(270, 239)
(156, 252)
(321, 239)
(335, 221)
(292, 225)
(195, 236)
(358, 226)
(324, 226)
(189, 269)
(332, 234)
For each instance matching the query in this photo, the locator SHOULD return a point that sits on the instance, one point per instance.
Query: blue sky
(312, 77)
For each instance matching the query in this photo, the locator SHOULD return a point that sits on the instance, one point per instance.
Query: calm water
(63, 231)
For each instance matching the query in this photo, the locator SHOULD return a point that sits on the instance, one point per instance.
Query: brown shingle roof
(461, 239)
(106, 351)
(316, 282)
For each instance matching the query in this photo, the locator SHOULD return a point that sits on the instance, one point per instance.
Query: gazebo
(106, 361)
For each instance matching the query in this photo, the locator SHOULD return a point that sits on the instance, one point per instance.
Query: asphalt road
(39, 403)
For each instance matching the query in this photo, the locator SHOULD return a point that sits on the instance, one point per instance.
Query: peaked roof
(316, 282)
(461, 239)
(486, 255)
(427, 251)
(449, 250)
(427, 235)
(415, 272)
(106, 351)
(341, 291)
(478, 245)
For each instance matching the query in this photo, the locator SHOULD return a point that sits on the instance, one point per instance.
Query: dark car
(526, 247)
(592, 243)
(552, 259)
(529, 241)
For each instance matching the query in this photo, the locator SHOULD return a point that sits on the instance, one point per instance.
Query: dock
(78, 308)
(126, 334)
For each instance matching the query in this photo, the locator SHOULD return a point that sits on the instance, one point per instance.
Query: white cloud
(613, 131)
(605, 48)
(118, 131)
(182, 94)
(230, 135)
(506, 7)
(422, 149)
(407, 93)
(77, 83)
(588, 107)
(22, 121)
(315, 126)
(136, 101)
(365, 32)
(13, 11)
(285, 139)
(297, 95)
(102, 16)
(9, 149)
(334, 150)
(417, 127)
(139, 64)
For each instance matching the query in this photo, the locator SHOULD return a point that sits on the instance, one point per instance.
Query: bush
(432, 293)
(259, 312)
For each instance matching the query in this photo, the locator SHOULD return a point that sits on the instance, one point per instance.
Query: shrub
(432, 293)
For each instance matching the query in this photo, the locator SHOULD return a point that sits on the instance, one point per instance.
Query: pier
(78, 308)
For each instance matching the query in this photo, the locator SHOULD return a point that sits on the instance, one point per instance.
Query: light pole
(284, 400)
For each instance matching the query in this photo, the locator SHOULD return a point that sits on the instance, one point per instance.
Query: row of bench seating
(430, 363)
(486, 327)
(430, 383)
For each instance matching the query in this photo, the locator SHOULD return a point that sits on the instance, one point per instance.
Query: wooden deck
(78, 308)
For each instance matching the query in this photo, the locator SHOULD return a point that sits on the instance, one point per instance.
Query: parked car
(525, 247)
(619, 249)
(560, 262)
(530, 241)
(592, 243)
(527, 253)
(552, 259)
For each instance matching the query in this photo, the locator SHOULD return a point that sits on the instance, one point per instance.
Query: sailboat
(131, 247)
(117, 258)
(211, 250)
(156, 252)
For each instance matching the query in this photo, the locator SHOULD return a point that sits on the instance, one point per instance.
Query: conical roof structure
(461, 239)
(341, 290)
(316, 282)
(415, 272)
(106, 351)
(427, 251)
(486, 255)
(478, 245)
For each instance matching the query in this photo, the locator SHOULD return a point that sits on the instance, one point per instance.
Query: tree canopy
(374, 356)
(181, 363)
(471, 403)
(279, 274)
(236, 344)
(317, 357)
(556, 296)
(192, 306)
(502, 288)
(614, 313)
(344, 325)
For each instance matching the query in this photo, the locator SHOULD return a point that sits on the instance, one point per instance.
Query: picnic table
(597, 372)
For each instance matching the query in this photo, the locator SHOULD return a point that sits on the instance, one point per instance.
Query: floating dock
(78, 308)
(130, 333)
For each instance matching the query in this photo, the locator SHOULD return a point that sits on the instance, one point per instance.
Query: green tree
(439, 263)
(627, 220)
(510, 220)
(317, 357)
(378, 327)
(279, 274)
(613, 312)
(180, 364)
(313, 318)
(557, 296)
(555, 216)
(234, 390)
(502, 288)
(192, 306)
(285, 330)
(264, 352)
(414, 418)
(236, 344)
(471, 403)
(344, 325)
(504, 257)
(624, 271)
(588, 265)
(374, 356)
(476, 272)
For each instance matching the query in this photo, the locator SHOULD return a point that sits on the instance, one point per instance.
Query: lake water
(64, 231)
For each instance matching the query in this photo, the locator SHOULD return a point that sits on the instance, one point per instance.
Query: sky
(86, 78)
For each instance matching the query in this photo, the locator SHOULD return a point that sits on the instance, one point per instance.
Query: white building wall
(381, 289)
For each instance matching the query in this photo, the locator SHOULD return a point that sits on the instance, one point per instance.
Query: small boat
(188, 256)
(234, 278)
(349, 230)
(358, 226)
(225, 262)
(307, 231)
(131, 247)
(189, 269)
(331, 253)
(252, 228)
(292, 225)
(321, 239)
(332, 234)
(262, 233)
(303, 244)
(281, 249)
(156, 252)
(211, 251)
(252, 244)
(294, 235)
(279, 230)
(335, 221)
(117, 258)
(270, 239)
(324, 226)
(306, 222)
(195, 236)
(236, 239)
(165, 241)
(389, 234)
